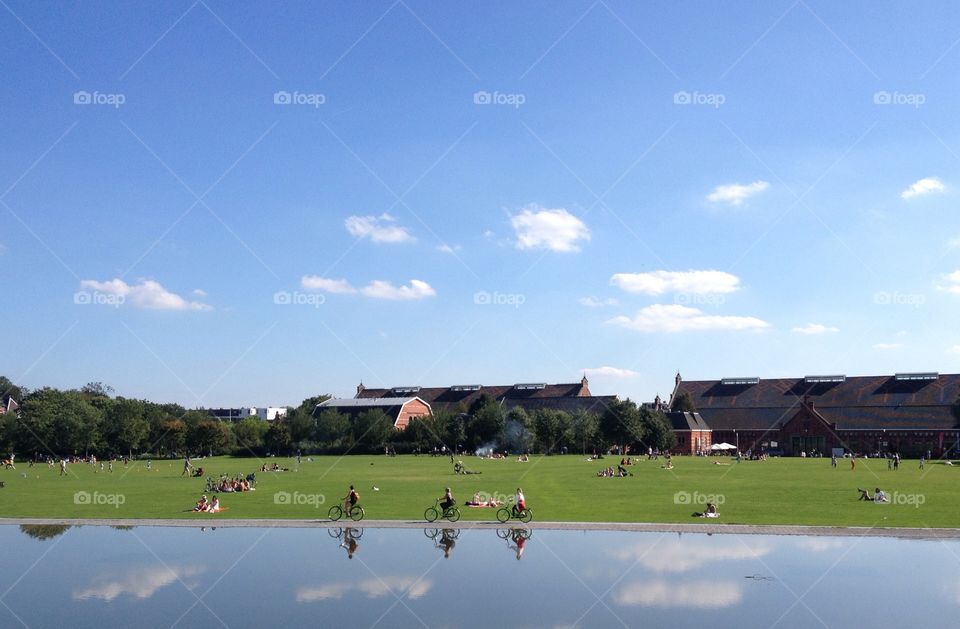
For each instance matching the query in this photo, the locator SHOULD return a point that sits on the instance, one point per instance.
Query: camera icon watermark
(486, 298)
(684, 97)
(96, 298)
(84, 97)
(499, 98)
(297, 298)
(98, 499)
(697, 498)
(299, 499)
(886, 298)
(915, 100)
(311, 99)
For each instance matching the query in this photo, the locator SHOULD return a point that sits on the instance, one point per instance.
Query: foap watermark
(311, 99)
(915, 100)
(486, 298)
(885, 298)
(499, 98)
(909, 500)
(98, 499)
(699, 299)
(684, 97)
(299, 499)
(697, 498)
(84, 97)
(96, 298)
(296, 298)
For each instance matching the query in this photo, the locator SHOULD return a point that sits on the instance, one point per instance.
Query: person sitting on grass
(864, 495)
(709, 512)
(214, 505)
(879, 496)
(201, 504)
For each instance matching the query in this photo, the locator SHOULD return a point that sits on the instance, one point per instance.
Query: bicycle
(506, 513)
(451, 513)
(336, 512)
(512, 533)
(338, 533)
(433, 533)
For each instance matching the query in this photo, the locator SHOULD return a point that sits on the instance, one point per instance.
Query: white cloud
(887, 346)
(381, 228)
(924, 186)
(677, 318)
(596, 302)
(551, 229)
(675, 556)
(412, 588)
(696, 594)
(199, 292)
(139, 582)
(815, 328)
(609, 372)
(380, 289)
(821, 544)
(736, 193)
(315, 282)
(660, 282)
(148, 294)
(445, 248)
(954, 350)
(950, 283)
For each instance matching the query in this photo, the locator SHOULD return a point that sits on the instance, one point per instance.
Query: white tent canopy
(723, 446)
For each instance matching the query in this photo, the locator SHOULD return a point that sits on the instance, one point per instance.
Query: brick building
(400, 410)
(909, 413)
(693, 434)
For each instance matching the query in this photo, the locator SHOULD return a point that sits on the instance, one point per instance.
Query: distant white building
(264, 413)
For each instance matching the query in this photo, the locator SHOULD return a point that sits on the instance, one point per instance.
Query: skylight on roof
(530, 386)
(405, 389)
(821, 379)
(465, 387)
(926, 375)
(739, 381)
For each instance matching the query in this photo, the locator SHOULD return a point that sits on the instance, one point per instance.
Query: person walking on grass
(921, 461)
(63, 466)
(186, 465)
(853, 462)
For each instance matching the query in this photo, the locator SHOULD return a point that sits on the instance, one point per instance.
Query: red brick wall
(411, 410)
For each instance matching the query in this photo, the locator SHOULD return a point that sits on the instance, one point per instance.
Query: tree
(518, 431)
(620, 424)
(659, 433)
(300, 423)
(332, 427)
(209, 436)
(277, 438)
(124, 428)
(249, 433)
(171, 436)
(9, 388)
(683, 401)
(56, 423)
(485, 427)
(584, 428)
(550, 427)
(44, 531)
(372, 429)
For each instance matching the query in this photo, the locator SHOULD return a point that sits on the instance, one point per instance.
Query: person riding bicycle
(519, 503)
(350, 500)
(447, 501)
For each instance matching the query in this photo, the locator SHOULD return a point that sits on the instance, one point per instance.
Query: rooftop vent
(928, 375)
(530, 386)
(465, 387)
(822, 379)
(405, 390)
(739, 381)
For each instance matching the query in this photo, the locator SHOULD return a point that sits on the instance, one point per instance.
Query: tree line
(91, 420)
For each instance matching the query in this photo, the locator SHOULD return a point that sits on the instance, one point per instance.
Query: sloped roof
(449, 397)
(593, 404)
(681, 420)
(861, 402)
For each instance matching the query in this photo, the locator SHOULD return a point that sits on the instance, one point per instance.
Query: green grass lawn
(561, 488)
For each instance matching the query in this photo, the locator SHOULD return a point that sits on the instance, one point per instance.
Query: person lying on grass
(878, 495)
(709, 512)
(478, 501)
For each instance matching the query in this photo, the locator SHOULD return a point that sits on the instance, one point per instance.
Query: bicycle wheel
(503, 515)
(431, 533)
(335, 512)
(356, 513)
(503, 533)
(526, 533)
(453, 514)
(526, 515)
(357, 533)
(334, 532)
(431, 514)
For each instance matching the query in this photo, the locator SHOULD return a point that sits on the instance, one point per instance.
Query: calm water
(164, 577)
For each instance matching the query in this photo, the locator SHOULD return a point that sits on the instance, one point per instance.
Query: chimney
(360, 388)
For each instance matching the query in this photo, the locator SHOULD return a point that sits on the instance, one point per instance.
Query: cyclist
(350, 501)
(447, 500)
(519, 503)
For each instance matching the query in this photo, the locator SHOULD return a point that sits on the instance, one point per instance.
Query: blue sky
(232, 203)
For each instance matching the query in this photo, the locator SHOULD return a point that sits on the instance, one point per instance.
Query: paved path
(711, 528)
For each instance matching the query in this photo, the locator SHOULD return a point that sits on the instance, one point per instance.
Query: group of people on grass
(235, 484)
(878, 495)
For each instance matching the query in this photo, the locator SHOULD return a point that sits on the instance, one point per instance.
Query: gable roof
(683, 420)
(860, 402)
(449, 397)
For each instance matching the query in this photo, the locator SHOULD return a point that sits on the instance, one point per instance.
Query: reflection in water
(447, 539)
(44, 531)
(349, 539)
(141, 582)
(696, 594)
(685, 555)
(373, 587)
(516, 539)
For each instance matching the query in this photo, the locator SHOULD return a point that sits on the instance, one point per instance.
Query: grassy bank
(778, 491)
